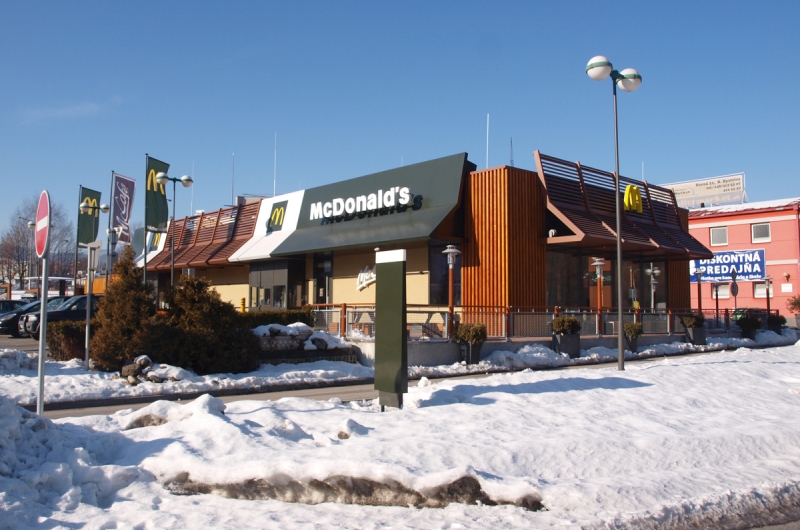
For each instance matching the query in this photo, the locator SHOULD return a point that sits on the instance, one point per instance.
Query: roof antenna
(275, 167)
(512, 152)
(487, 140)
(233, 173)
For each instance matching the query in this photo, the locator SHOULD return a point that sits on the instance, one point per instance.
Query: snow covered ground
(705, 442)
(70, 381)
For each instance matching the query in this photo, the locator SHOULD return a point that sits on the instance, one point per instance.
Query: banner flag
(124, 189)
(155, 198)
(89, 222)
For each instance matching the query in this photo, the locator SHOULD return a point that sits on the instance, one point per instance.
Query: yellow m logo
(93, 208)
(276, 219)
(633, 198)
(152, 184)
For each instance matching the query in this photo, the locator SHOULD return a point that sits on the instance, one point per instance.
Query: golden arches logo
(93, 208)
(152, 183)
(633, 198)
(276, 219)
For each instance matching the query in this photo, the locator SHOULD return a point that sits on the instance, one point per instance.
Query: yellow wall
(232, 283)
(346, 267)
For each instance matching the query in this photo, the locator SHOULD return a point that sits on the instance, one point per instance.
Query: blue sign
(750, 265)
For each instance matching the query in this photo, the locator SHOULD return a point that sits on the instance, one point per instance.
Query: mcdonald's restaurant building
(528, 239)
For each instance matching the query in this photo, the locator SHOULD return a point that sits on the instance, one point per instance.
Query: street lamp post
(599, 68)
(92, 247)
(767, 280)
(598, 264)
(699, 275)
(451, 252)
(653, 272)
(162, 178)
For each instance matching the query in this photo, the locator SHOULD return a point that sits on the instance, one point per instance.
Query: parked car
(23, 326)
(9, 322)
(10, 305)
(73, 309)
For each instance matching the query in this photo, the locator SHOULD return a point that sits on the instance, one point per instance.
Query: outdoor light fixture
(451, 252)
(599, 68)
(653, 272)
(162, 179)
(85, 207)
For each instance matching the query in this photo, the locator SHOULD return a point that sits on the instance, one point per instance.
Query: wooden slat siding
(679, 288)
(223, 231)
(243, 231)
(164, 257)
(528, 246)
(504, 255)
(205, 237)
(185, 241)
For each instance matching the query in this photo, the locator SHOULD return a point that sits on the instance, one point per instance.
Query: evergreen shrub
(470, 333)
(566, 325)
(66, 340)
(633, 329)
(693, 320)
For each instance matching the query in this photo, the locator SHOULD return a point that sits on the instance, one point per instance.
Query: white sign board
(727, 189)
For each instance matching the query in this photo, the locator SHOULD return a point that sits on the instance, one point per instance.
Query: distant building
(761, 240)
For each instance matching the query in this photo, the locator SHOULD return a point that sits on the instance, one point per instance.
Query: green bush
(127, 307)
(749, 322)
(66, 340)
(633, 329)
(776, 320)
(470, 333)
(693, 320)
(284, 317)
(200, 332)
(566, 325)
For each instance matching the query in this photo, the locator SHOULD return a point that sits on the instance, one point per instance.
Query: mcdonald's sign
(277, 216)
(633, 198)
(89, 222)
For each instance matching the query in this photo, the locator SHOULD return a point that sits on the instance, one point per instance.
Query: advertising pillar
(391, 347)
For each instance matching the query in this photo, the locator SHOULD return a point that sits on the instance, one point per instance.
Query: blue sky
(352, 88)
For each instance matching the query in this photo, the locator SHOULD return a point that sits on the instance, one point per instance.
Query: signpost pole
(42, 238)
(93, 247)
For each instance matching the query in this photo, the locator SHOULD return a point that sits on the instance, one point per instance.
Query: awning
(583, 200)
(431, 191)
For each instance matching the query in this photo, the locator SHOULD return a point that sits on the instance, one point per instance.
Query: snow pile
(276, 329)
(332, 341)
(46, 467)
(14, 360)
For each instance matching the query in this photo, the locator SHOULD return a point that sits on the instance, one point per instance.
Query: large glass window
(719, 236)
(761, 233)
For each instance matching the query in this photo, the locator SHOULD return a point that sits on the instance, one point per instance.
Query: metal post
(767, 281)
(88, 300)
(716, 306)
(172, 240)
(42, 335)
(620, 331)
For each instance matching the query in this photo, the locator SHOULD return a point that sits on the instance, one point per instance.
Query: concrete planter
(472, 353)
(633, 343)
(569, 344)
(696, 336)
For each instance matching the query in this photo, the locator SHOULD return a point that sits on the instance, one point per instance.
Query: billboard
(750, 265)
(727, 189)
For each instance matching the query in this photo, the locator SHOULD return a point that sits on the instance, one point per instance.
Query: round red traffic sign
(43, 224)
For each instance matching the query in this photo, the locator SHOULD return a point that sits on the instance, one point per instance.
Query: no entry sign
(43, 224)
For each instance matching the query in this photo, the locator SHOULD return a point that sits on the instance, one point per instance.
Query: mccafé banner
(750, 265)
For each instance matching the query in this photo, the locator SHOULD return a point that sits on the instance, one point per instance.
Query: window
(723, 289)
(760, 290)
(719, 236)
(761, 233)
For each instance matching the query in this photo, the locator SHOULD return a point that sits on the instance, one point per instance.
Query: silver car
(28, 324)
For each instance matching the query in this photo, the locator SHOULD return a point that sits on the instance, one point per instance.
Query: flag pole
(108, 232)
(146, 163)
(77, 231)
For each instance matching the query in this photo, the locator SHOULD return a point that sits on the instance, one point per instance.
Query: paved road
(25, 344)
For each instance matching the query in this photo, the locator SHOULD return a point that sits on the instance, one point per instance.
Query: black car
(24, 326)
(9, 321)
(73, 309)
(10, 305)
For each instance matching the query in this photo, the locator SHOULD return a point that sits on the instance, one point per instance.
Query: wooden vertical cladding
(504, 255)
(679, 284)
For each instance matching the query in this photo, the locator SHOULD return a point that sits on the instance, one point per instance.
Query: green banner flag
(155, 198)
(89, 222)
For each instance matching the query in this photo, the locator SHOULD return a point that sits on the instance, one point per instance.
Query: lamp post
(162, 178)
(599, 68)
(767, 280)
(92, 247)
(653, 272)
(699, 275)
(451, 252)
(598, 264)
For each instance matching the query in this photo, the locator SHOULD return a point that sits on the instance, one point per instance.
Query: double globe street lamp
(599, 69)
(162, 179)
(93, 247)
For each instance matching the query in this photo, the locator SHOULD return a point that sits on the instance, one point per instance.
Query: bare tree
(17, 247)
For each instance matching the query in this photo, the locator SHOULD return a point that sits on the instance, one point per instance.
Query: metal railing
(430, 322)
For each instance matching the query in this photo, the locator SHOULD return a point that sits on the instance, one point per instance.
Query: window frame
(711, 236)
(753, 238)
(724, 291)
(763, 296)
